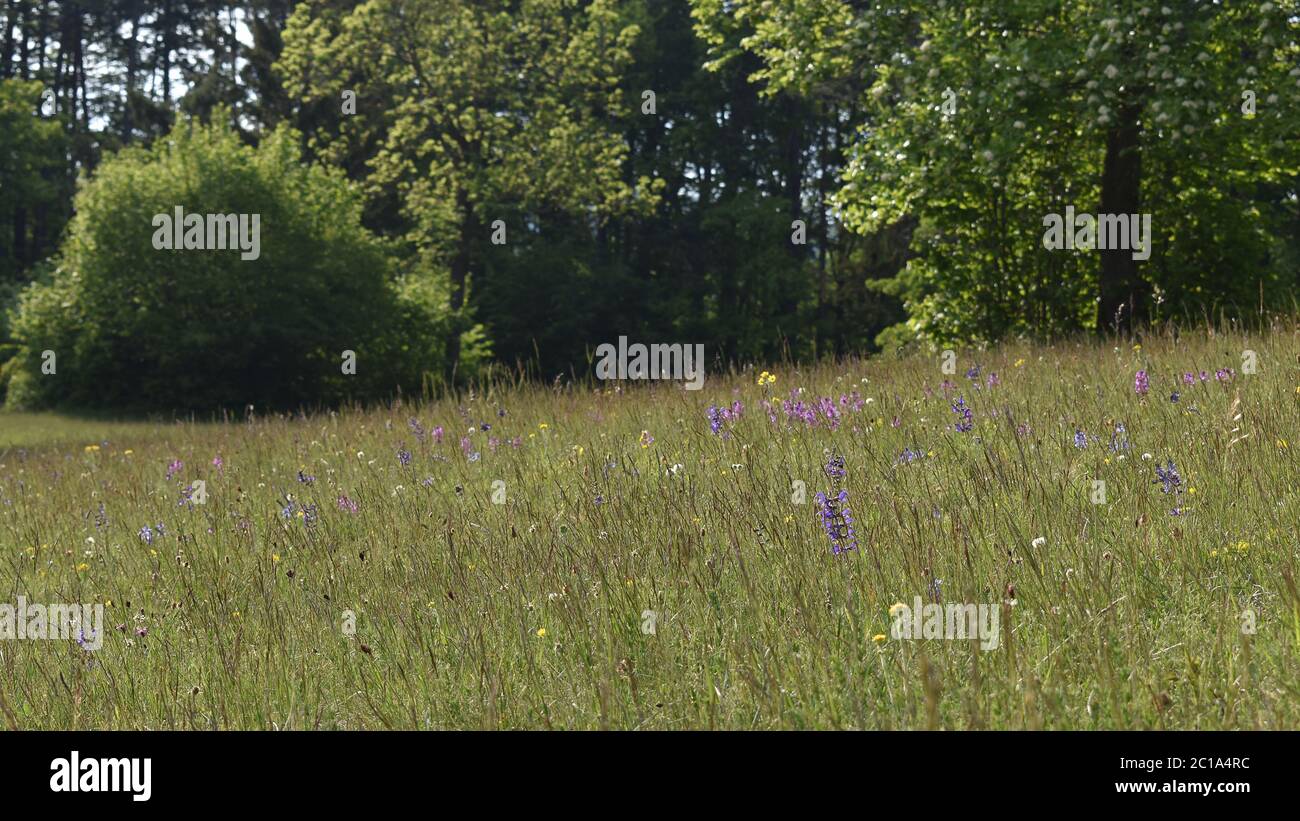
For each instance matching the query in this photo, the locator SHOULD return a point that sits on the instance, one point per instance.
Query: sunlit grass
(531, 613)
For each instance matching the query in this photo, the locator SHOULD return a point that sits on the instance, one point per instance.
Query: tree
(471, 107)
(986, 116)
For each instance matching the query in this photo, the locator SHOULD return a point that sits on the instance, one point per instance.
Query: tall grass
(533, 612)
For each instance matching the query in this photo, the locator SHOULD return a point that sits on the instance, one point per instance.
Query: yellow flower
(541, 632)
(275, 558)
(1191, 491)
(91, 448)
(894, 609)
(128, 452)
(543, 426)
(766, 378)
(81, 568)
(1019, 362)
(1281, 443)
(878, 638)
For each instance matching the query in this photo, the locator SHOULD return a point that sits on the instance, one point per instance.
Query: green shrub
(134, 327)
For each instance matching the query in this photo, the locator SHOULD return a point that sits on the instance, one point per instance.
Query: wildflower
(715, 418)
(908, 456)
(835, 468)
(1080, 439)
(1224, 374)
(838, 521)
(1173, 397)
(174, 468)
(346, 504)
(146, 534)
(438, 434)
(1019, 362)
(878, 638)
(1038, 542)
(1189, 378)
(1140, 383)
(404, 456)
(306, 480)
(895, 609)
(766, 378)
(964, 411)
(541, 632)
(1168, 477)
(993, 380)
(646, 439)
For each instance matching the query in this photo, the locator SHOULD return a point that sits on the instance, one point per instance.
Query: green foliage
(1039, 89)
(32, 179)
(137, 327)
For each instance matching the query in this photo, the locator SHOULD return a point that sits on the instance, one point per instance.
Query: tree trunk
(1122, 293)
(460, 264)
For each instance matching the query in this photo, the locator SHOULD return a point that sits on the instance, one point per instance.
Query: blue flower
(838, 521)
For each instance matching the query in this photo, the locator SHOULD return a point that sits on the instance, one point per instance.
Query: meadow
(638, 556)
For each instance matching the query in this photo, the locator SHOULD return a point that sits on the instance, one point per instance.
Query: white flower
(1039, 542)
(1146, 457)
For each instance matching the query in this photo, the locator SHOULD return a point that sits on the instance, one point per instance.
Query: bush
(137, 328)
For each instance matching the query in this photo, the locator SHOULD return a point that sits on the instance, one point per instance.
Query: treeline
(768, 179)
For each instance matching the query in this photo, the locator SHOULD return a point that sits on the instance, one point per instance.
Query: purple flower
(1115, 444)
(1189, 378)
(1168, 477)
(437, 435)
(174, 468)
(404, 456)
(835, 468)
(146, 534)
(1080, 439)
(993, 380)
(347, 504)
(417, 429)
(1140, 383)
(963, 410)
(908, 456)
(1173, 397)
(838, 521)
(306, 480)
(1224, 374)
(715, 418)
